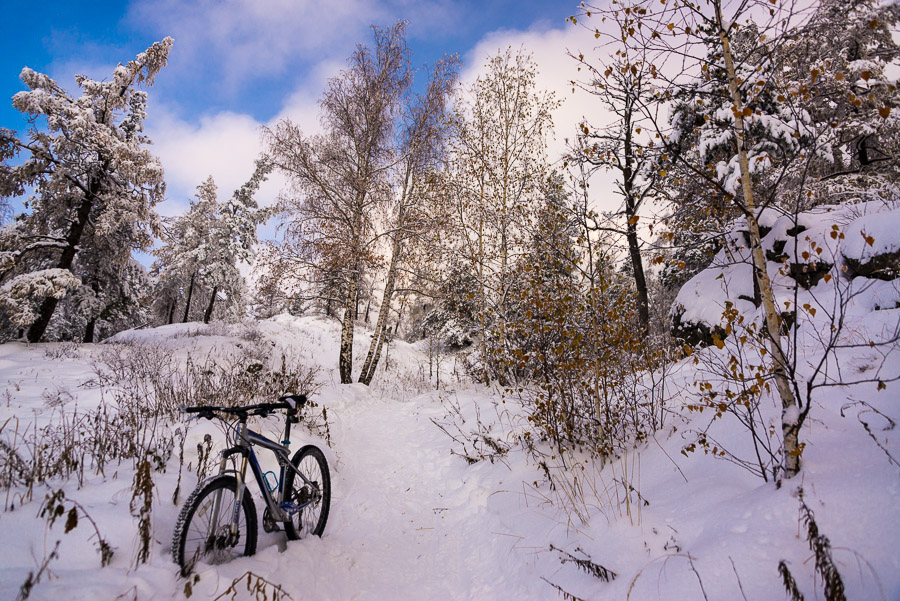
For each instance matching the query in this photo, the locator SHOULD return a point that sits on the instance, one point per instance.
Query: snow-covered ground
(412, 520)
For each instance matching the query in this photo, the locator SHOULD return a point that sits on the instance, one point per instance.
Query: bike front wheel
(308, 502)
(203, 531)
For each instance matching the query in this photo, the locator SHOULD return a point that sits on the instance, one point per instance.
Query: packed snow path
(408, 521)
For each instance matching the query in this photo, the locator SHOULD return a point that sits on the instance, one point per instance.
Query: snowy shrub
(78, 444)
(63, 350)
(150, 373)
(584, 367)
(475, 439)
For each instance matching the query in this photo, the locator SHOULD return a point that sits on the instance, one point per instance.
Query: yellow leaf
(884, 112)
(718, 342)
(865, 75)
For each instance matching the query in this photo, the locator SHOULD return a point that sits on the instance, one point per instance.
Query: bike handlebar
(291, 402)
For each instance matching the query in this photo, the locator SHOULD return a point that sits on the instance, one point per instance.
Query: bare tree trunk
(789, 414)
(374, 354)
(640, 281)
(400, 312)
(89, 330)
(631, 208)
(187, 305)
(345, 360)
(209, 309)
(171, 312)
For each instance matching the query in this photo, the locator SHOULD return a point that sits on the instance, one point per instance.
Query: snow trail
(438, 540)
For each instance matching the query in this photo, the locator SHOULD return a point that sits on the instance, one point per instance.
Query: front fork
(239, 496)
(240, 476)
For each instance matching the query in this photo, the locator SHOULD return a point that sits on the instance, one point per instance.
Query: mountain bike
(218, 521)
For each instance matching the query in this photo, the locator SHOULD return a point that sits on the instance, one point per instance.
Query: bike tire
(191, 542)
(311, 519)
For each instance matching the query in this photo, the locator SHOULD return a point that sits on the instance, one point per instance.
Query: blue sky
(238, 65)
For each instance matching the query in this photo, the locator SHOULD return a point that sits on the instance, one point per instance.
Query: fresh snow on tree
(93, 182)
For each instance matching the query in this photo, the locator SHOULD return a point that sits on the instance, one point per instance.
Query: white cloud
(226, 145)
(244, 40)
(223, 146)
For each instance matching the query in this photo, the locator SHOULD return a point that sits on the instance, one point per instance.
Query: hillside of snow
(411, 518)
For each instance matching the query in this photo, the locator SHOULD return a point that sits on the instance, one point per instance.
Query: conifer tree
(202, 249)
(92, 179)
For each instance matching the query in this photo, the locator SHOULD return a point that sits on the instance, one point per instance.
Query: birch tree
(499, 165)
(339, 179)
(422, 155)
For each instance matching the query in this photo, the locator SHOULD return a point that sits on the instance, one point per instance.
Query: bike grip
(293, 401)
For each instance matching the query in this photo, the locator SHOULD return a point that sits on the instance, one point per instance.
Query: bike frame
(246, 439)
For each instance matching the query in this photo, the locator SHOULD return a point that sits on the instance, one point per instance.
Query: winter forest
(663, 363)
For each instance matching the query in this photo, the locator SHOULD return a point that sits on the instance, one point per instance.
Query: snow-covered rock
(810, 257)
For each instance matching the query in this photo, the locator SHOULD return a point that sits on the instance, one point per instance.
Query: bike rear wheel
(313, 500)
(203, 531)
